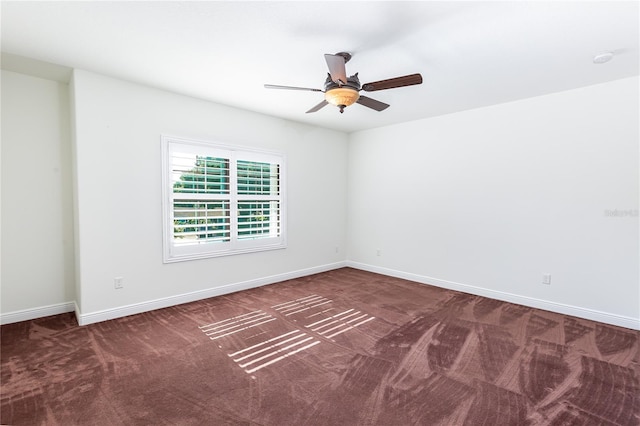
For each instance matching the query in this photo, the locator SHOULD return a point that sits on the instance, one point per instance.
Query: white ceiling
(470, 54)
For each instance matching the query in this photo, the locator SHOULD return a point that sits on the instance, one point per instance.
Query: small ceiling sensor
(603, 57)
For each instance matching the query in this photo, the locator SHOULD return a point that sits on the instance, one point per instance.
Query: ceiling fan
(342, 91)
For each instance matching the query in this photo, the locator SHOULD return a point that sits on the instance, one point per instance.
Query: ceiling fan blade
(336, 68)
(407, 80)
(275, 86)
(317, 107)
(372, 103)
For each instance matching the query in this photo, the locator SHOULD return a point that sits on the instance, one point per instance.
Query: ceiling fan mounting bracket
(345, 55)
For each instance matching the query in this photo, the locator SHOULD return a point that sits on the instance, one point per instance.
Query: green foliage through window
(207, 176)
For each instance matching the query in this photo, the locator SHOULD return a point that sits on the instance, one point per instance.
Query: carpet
(344, 347)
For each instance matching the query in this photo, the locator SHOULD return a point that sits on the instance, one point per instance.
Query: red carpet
(345, 347)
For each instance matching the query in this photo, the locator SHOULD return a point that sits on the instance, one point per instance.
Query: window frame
(236, 245)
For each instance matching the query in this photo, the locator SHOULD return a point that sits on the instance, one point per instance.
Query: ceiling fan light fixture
(342, 97)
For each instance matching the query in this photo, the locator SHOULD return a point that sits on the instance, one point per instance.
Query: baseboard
(137, 308)
(93, 317)
(33, 313)
(576, 311)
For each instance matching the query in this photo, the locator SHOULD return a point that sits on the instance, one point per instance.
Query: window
(220, 200)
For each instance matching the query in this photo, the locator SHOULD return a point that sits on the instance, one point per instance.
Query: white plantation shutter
(258, 199)
(220, 200)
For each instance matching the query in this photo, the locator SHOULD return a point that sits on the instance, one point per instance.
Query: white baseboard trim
(576, 311)
(93, 317)
(39, 312)
(137, 308)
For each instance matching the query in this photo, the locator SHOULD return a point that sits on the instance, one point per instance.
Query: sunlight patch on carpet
(342, 324)
(280, 345)
(236, 324)
(301, 305)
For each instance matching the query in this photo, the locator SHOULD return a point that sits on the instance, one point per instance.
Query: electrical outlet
(546, 279)
(118, 283)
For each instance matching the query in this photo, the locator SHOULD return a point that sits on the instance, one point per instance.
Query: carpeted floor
(345, 347)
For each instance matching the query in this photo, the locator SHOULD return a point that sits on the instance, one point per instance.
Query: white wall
(118, 171)
(488, 200)
(37, 220)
